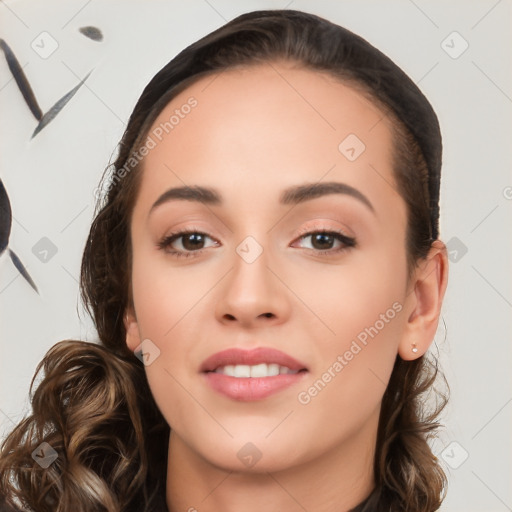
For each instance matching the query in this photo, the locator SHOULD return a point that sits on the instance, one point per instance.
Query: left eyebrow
(293, 195)
(301, 193)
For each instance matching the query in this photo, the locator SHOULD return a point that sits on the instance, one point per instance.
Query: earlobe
(132, 329)
(431, 279)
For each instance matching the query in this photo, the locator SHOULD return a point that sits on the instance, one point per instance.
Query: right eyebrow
(189, 193)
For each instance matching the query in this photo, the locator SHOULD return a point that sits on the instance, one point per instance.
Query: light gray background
(51, 180)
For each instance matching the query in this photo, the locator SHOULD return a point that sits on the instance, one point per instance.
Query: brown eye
(323, 241)
(193, 241)
(184, 243)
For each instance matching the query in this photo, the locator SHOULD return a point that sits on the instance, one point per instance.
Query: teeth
(242, 370)
(256, 371)
(274, 369)
(259, 370)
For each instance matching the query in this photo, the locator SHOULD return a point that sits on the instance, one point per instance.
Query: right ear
(132, 329)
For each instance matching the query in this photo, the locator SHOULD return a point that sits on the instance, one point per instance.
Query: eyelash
(348, 242)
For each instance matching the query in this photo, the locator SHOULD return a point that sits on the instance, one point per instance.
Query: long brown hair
(93, 405)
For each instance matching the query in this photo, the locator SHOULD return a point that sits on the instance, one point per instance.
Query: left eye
(323, 240)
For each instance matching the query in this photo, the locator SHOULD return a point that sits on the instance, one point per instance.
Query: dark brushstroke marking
(50, 115)
(92, 33)
(21, 80)
(22, 270)
(5, 231)
(5, 218)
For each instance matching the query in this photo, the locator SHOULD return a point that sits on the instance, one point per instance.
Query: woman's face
(258, 280)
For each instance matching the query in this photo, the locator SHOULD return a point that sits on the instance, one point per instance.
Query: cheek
(169, 304)
(363, 306)
(350, 298)
(164, 294)
(355, 365)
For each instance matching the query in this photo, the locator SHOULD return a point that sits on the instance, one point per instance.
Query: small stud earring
(414, 348)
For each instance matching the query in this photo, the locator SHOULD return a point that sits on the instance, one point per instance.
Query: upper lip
(236, 356)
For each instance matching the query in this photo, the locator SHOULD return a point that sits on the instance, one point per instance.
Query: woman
(265, 275)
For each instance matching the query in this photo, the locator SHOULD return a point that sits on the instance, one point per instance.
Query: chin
(251, 454)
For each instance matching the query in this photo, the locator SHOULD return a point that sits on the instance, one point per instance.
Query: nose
(252, 295)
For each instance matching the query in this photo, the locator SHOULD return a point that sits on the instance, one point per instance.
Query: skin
(254, 132)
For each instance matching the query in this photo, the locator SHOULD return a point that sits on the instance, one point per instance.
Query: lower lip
(251, 388)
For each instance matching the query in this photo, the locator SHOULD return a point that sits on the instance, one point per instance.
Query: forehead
(272, 123)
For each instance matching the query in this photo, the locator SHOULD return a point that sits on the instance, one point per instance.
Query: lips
(248, 375)
(257, 356)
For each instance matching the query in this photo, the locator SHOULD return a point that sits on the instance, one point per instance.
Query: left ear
(424, 302)
(131, 325)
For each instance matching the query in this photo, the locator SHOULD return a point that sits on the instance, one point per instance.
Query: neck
(335, 481)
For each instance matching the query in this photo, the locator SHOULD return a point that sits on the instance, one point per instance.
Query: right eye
(191, 242)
